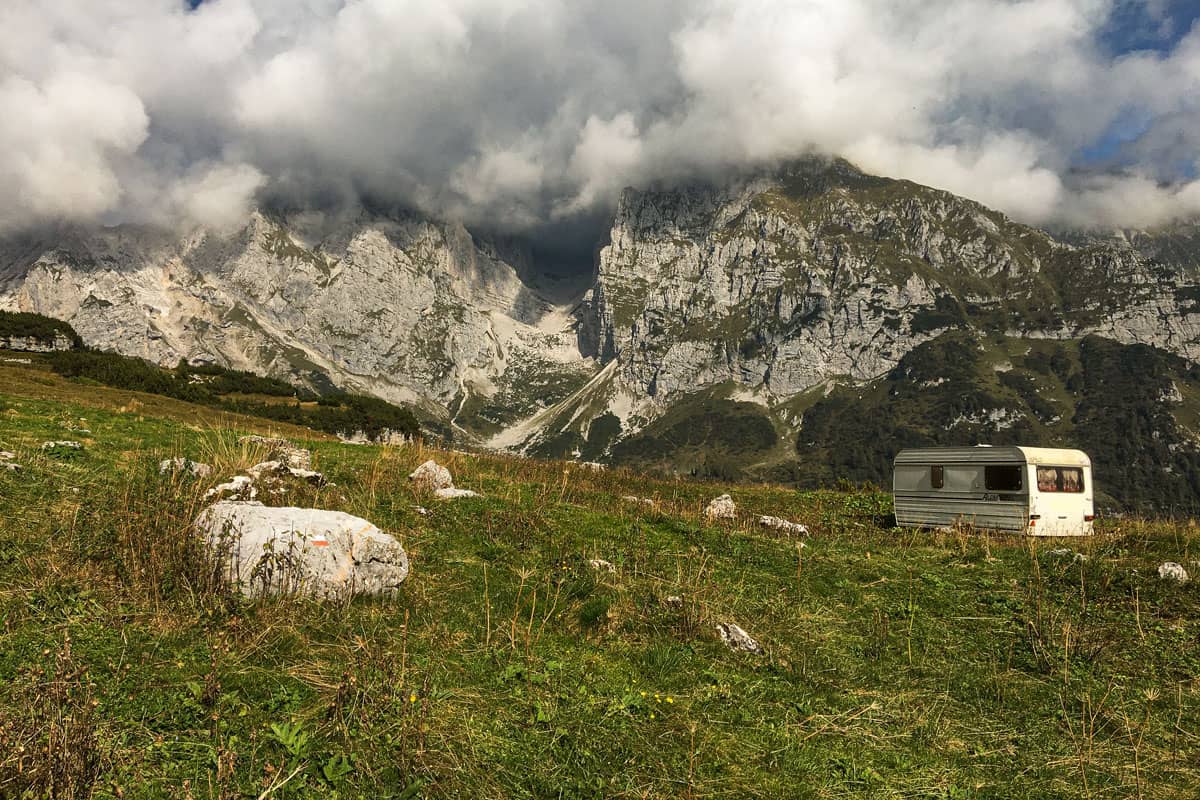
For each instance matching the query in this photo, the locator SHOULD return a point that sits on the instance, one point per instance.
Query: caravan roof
(994, 455)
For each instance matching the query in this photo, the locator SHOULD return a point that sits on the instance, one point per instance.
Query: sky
(518, 114)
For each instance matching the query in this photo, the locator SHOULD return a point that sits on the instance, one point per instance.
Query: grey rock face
(827, 272)
(408, 310)
(324, 554)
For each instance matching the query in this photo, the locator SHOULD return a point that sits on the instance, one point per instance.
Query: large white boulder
(268, 551)
(431, 477)
(721, 507)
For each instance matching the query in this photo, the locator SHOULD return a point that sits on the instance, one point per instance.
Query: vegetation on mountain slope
(17, 324)
(1131, 407)
(897, 664)
(233, 390)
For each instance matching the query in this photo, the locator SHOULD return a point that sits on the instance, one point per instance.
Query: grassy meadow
(897, 663)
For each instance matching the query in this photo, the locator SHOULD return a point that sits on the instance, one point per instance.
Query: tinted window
(1002, 478)
(937, 477)
(1060, 479)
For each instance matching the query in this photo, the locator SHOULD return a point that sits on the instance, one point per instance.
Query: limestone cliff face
(410, 310)
(781, 284)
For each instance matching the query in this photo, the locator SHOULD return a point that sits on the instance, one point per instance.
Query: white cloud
(515, 112)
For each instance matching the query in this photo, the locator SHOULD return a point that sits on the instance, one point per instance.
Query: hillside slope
(952, 665)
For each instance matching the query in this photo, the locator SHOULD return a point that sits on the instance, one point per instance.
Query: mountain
(799, 326)
(407, 309)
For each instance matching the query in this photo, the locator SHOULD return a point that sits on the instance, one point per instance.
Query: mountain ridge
(760, 293)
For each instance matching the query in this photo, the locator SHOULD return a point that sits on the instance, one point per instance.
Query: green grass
(898, 663)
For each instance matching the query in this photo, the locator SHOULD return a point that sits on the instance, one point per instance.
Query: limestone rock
(600, 565)
(239, 487)
(193, 468)
(1172, 571)
(645, 501)
(431, 477)
(62, 445)
(269, 470)
(737, 639)
(450, 493)
(780, 524)
(281, 450)
(721, 507)
(267, 551)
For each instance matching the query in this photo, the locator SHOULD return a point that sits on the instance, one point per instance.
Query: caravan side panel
(960, 493)
(944, 509)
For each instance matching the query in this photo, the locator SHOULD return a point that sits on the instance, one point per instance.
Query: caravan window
(1002, 477)
(1060, 479)
(937, 477)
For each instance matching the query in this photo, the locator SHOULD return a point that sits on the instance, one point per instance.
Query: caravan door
(1060, 501)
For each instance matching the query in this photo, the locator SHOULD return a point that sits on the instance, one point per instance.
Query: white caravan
(1036, 490)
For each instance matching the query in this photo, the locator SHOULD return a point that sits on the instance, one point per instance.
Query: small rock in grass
(645, 501)
(594, 466)
(239, 487)
(10, 466)
(268, 470)
(282, 551)
(737, 639)
(600, 565)
(1173, 571)
(281, 450)
(7, 456)
(194, 468)
(63, 445)
(780, 524)
(673, 601)
(721, 507)
(1065, 552)
(450, 493)
(422, 510)
(431, 477)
